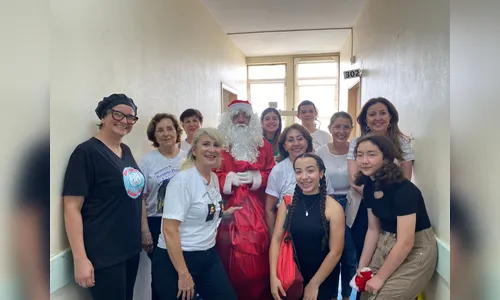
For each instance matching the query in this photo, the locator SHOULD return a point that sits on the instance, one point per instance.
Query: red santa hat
(243, 105)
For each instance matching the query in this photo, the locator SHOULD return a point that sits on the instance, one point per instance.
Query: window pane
(263, 93)
(323, 69)
(267, 72)
(324, 99)
(317, 81)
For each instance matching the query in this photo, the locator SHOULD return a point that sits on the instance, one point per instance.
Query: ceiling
(248, 22)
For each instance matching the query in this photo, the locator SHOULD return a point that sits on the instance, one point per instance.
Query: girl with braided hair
(315, 223)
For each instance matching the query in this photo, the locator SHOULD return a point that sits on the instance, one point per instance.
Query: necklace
(307, 209)
(336, 157)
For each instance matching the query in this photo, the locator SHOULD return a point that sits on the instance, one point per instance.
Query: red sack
(288, 271)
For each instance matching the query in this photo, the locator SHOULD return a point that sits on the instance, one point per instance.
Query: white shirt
(158, 170)
(405, 148)
(336, 169)
(184, 145)
(282, 182)
(197, 205)
(320, 137)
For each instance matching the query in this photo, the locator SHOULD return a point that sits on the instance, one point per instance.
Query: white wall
(403, 49)
(167, 55)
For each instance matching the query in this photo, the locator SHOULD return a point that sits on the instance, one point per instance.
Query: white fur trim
(228, 184)
(241, 106)
(257, 180)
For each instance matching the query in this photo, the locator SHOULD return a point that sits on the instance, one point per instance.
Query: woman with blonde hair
(186, 255)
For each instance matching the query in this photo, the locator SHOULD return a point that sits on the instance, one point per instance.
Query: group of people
(210, 212)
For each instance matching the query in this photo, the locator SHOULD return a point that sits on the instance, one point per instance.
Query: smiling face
(119, 120)
(369, 158)
(190, 125)
(295, 143)
(165, 133)
(341, 129)
(307, 175)
(207, 152)
(270, 123)
(378, 118)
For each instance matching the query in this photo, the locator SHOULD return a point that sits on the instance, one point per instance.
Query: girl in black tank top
(316, 225)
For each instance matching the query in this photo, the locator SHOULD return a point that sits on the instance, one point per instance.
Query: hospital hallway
(171, 55)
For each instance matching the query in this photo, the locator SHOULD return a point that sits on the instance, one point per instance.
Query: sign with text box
(352, 74)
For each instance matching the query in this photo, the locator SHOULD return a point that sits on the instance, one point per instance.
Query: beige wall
(167, 55)
(403, 49)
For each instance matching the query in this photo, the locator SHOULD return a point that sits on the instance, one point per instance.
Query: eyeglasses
(118, 116)
(340, 127)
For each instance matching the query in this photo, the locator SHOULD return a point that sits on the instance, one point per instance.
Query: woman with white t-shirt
(186, 258)
(295, 140)
(159, 167)
(334, 155)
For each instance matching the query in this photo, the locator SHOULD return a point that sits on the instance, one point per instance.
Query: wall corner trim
(61, 270)
(443, 263)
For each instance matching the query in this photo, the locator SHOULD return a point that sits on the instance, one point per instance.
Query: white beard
(244, 144)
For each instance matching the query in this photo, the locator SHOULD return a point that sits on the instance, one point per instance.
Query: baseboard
(61, 270)
(443, 264)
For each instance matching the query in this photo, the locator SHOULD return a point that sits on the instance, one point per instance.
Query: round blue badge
(134, 182)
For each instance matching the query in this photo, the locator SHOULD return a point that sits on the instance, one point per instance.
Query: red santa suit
(243, 242)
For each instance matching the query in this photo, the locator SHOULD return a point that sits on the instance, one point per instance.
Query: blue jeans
(348, 260)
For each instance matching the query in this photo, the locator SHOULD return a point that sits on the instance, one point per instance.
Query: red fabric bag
(288, 272)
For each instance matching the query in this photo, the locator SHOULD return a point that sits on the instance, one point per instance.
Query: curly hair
(393, 132)
(150, 131)
(282, 140)
(297, 197)
(390, 172)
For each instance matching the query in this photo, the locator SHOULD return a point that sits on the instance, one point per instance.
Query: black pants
(209, 276)
(358, 232)
(154, 224)
(117, 281)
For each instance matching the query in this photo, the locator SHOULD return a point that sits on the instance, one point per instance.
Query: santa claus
(243, 242)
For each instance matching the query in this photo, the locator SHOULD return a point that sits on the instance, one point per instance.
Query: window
(317, 81)
(266, 84)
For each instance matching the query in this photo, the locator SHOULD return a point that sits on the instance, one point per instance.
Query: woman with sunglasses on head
(186, 261)
(103, 204)
(334, 154)
(400, 246)
(315, 223)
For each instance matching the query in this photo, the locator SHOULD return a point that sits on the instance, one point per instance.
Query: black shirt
(307, 233)
(112, 190)
(399, 199)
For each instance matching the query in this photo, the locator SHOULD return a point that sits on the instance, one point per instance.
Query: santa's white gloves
(235, 180)
(245, 177)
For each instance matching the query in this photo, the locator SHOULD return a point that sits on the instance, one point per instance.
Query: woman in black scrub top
(102, 204)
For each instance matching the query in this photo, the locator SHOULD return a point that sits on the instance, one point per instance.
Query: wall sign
(352, 74)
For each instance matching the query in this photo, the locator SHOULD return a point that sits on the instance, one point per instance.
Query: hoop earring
(389, 125)
(367, 128)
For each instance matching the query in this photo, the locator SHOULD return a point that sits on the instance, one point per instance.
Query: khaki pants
(413, 274)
